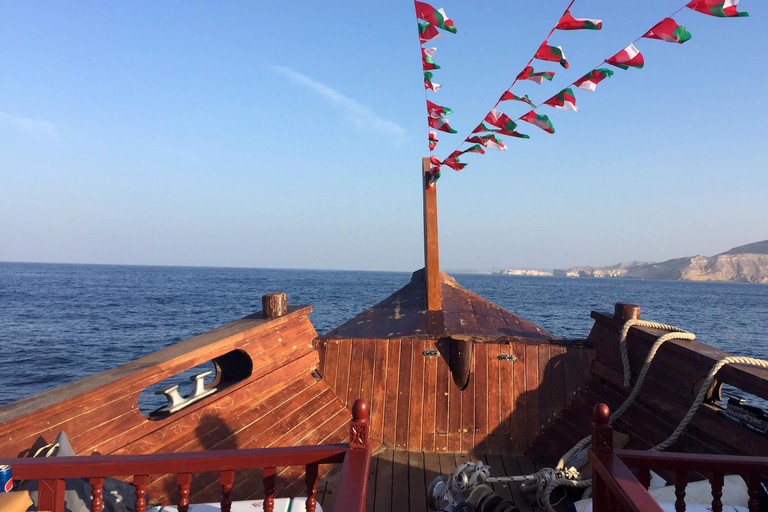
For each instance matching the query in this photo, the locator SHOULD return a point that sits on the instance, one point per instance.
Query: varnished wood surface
(405, 314)
(431, 241)
(416, 406)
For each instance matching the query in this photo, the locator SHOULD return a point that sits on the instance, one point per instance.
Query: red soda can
(6, 480)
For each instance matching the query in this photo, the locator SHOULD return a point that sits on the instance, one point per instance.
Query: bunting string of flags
(500, 123)
(429, 21)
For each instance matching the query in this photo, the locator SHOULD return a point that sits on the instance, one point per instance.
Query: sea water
(59, 323)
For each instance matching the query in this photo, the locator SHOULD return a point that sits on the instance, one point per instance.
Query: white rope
(682, 334)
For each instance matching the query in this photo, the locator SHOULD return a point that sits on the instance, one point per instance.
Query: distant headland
(743, 264)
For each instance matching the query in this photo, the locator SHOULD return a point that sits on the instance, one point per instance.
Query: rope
(683, 335)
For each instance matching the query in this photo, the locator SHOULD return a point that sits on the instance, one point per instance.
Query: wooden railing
(354, 456)
(615, 488)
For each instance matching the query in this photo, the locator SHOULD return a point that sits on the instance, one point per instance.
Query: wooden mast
(431, 252)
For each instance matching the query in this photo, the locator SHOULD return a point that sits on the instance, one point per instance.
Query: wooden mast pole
(431, 252)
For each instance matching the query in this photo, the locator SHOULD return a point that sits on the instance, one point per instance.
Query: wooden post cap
(601, 415)
(625, 311)
(360, 410)
(274, 305)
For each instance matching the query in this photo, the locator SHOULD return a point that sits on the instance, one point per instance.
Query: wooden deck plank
(455, 403)
(404, 392)
(468, 411)
(497, 469)
(417, 481)
(400, 488)
(447, 463)
(356, 362)
(442, 397)
(379, 390)
(531, 392)
(512, 468)
(368, 370)
(390, 400)
(545, 387)
(342, 379)
(494, 398)
(431, 467)
(430, 400)
(557, 391)
(481, 398)
(416, 413)
(384, 482)
(331, 363)
(508, 399)
(517, 420)
(370, 496)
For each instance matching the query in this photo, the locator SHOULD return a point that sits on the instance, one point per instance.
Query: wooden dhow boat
(367, 416)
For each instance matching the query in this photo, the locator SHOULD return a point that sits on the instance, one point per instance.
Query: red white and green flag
(626, 58)
(668, 30)
(433, 175)
(589, 81)
(453, 161)
(500, 120)
(529, 74)
(513, 133)
(428, 32)
(509, 95)
(477, 148)
(542, 122)
(436, 110)
(432, 140)
(440, 124)
(482, 128)
(427, 59)
(434, 16)
(564, 100)
(551, 53)
(488, 141)
(568, 22)
(720, 8)
(429, 84)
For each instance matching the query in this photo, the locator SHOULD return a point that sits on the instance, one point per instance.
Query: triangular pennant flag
(434, 16)
(437, 110)
(482, 128)
(428, 32)
(626, 58)
(440, 123)
(564, 100)
(542, 122)
(668, 30)
(489, 141)
(454, 156)
(589, 81)
(454, 164)
(568, 22)
(477, 148)
(514, 133)
(433, 175)
(427, 60)
(509, 95)
(551, 53)
(529, 74)
(432, 140)
(429, 84)
(720, 8)
(434, 160)
(500, 120)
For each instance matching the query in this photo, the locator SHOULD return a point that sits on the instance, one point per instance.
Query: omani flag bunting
(668, 30)
(428, 32)
(427, 61)
(529, 74)
(440, 123)
(482, 128)
(542, 122)
(437, 110)
(589, 81)
(453, 162)
(568, 22)
(509, 95)
(434, 175)
(477, 148)
(434, 160)
(489, 141)
(564, 100)
(513, 133)
(626, 58)
(429, 84)
(432, 140)
(551, 53)
(723, 9)
(434, 16)
(500, 120)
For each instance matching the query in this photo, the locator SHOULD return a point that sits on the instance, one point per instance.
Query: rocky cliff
(744, 264)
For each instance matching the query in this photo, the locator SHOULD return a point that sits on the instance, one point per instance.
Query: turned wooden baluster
(753, 487)
(644, 477)
(681, 480)
(602, 444)
(311, 480)
(140, 483)
(716, 482)
(97, 490)
(227, 480)
(269, 476)
(184, 480)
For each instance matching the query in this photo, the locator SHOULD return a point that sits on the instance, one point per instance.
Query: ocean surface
(59, 323)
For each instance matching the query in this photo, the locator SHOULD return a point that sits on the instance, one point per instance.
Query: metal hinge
(507, 357)
(431, 352)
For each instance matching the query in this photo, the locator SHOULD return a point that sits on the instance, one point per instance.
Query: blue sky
(289, 134)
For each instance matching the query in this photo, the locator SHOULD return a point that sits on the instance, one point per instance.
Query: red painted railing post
(602, 445)
(269, 475)
(184, 480)
(97, 490)
(358, 427)
(227, 480)
(51, 495)
(140, 482)
(311, 481)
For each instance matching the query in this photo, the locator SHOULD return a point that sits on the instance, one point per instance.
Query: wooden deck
(398, 480)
